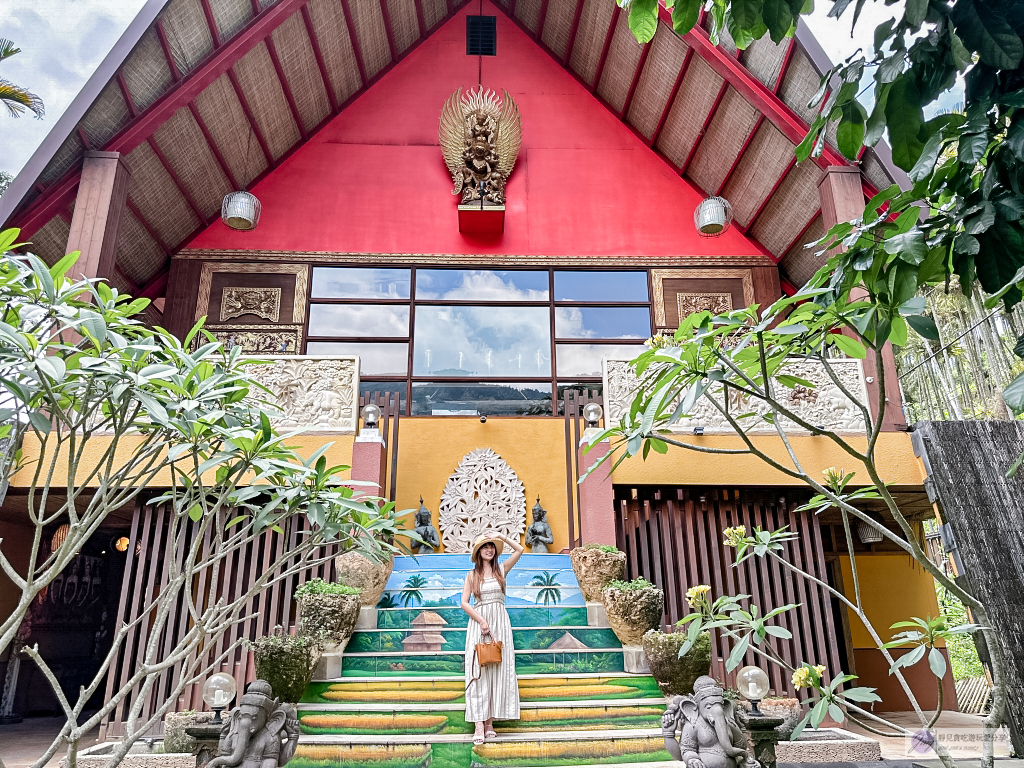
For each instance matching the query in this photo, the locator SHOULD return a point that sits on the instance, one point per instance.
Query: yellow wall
(429, 450)
(893, 588)
(680, 466)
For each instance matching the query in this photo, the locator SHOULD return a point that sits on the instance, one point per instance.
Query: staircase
(399, 702)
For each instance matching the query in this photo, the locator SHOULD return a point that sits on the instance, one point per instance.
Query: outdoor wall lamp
(752, 683)
(592, 413)
(218, 692)
(371, 415)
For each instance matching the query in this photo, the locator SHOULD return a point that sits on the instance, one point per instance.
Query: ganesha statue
(702, 731)
(260, 733)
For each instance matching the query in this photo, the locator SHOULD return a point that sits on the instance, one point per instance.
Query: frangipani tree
(108, 413)
(864, 297)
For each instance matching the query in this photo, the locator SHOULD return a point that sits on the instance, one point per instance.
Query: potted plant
(328, 612)
(286, 662)
(633, 608)
(675, 674)
(354, 569)
(595, 565)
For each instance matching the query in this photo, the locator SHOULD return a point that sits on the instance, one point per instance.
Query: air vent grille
(481, 36)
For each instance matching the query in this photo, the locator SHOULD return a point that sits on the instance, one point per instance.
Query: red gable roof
(373, 180)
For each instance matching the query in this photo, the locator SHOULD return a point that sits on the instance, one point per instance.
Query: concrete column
(368, 461)
(842, 199)
(99, 205)
(597, 499)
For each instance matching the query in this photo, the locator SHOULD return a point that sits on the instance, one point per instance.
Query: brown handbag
(488, 652)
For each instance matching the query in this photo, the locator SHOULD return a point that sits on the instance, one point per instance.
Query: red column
(597, 500)
(842, 199)
(368, 461)
(99, 205)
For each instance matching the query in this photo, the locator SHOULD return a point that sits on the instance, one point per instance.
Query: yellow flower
(659, 341)
(802, 677)
(833, 476)
(693, 594)
(734, 536)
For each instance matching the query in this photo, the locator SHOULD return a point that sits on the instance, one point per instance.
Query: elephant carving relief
(702, 731)
(314, 393)
(260, 733)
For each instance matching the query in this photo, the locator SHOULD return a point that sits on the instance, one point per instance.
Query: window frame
(412, 302)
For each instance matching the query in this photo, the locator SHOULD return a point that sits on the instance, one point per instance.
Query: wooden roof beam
(687, 57)
(577, 15)
(605, 48)
(707, 121)
(251, 118)
(739, 155)
(357, 50)
(286, 87)
(644, 53)
(156, 286)
(764, 204)
(420, 20)
(318, 55)
(800, 236)
(165, 46)
(126, 95)
(148, 227)
(213, 146)
(177, 181)
(787, 57)
(387, 29)
(541, 20)
(211, 23)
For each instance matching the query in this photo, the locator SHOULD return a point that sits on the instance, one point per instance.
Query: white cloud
(62, 42)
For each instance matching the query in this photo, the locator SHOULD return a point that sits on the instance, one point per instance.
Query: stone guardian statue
(539, 535)
(708, 734)
(260, 733)
(426, 531)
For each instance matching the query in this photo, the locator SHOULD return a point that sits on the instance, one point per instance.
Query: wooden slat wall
(673, 538)
(572, 405)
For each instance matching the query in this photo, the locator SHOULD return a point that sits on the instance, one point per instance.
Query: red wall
(373, 180)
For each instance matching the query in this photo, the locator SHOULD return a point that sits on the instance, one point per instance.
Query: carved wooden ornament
(262, 302)
(483, 494)
(480, 137)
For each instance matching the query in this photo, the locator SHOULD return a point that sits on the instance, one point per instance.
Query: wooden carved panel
(262, 302)
(260, 339)
(716, 303)
(678, 292)
(291, 279)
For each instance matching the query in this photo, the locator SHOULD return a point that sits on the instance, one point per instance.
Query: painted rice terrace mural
(400, 699)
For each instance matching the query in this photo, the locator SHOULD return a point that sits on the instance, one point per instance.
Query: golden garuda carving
(480, 138)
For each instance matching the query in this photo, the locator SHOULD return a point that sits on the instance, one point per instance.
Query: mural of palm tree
(549, 592)
(14, 97)
(387, 600)
(412, 593)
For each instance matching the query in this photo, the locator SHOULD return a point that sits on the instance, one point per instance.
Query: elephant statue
(261, 732)
(710, 735)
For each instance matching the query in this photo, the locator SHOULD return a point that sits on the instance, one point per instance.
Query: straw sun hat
(484, 538)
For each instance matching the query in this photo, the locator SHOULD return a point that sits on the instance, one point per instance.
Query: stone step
(534, 748)
(451, 719)
(413, 706)
(446, 561)
(424, 690)
(429, 597)
(388, 664)
(520, 576)
(519, 615)
(430, 637)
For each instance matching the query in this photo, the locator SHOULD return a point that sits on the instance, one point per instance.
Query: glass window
(481, 285)
(360, 283)
(374, 359)
(482, 341)
(358, 320)
(602, 323)
(481, 399)
(601, 286)
(585, 359)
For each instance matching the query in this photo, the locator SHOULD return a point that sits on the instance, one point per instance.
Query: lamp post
(753, 684)
(218, 692)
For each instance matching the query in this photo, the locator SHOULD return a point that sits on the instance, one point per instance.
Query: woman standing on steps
(492, 690)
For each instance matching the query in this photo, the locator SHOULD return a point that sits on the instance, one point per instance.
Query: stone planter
(355, 570)
(175, 723)
(329, 619)
(287, 663)
(632, 612)
(676, 675)
(594, 569)
(790, 710)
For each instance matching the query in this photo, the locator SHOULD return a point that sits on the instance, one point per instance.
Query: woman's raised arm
(517, 550)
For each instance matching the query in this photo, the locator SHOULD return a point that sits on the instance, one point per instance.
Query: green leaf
(1013, 395)
(746, 13)
(1018, 348)
(987, 32)
(778, 17)
(937, 663)
(849, 347)
(40, 422)
(684, 15)
(643, 19)
(964, 243)
(926, 162)
(738, 650)
(861, 694)
(904, 116)
(910, 247)
(195, 513)
(971, 148)
(902, 282)
(961, 56)
(875, 126)
(915, 13)
(924, 326)
(898, 331)
(850, 133)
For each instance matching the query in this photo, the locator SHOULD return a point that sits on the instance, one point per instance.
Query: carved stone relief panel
(716, 303)
(484, 493)
(824, 405)
(262, 302)
(259, 339)
(313, 393)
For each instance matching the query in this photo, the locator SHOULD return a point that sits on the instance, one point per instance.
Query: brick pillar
(842, 199)
(368, 461)
(102, 192)
(597, 499)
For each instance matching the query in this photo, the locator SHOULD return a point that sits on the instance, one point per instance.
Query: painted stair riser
(443, 597)
(455, 578)
(554, 663)
(456, 618)
(460, 755)
(455, 639)
(548, 689)
(454, 721)
(461, 562)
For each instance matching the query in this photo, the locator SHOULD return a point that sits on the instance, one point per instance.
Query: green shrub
(630, 586)
(320, 587)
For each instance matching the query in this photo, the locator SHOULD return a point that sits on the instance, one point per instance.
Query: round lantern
(867, 533)
(240, 210)
(59, 537)
(713, 216)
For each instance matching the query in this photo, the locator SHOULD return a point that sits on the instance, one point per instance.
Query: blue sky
(63, 41)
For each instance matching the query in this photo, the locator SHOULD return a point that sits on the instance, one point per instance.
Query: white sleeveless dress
(492, 690)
